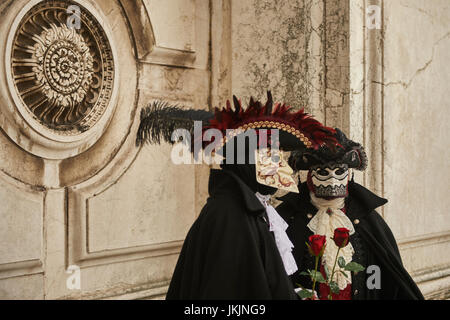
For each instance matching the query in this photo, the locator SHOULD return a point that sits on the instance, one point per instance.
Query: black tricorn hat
(348, 152)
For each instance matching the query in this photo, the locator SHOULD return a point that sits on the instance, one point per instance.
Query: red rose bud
(317, 244)
(341, 236)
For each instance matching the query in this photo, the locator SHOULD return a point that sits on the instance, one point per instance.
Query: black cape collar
(359, 202)
(223, 181)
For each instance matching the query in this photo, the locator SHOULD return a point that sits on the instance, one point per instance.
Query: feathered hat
(297, 129)
(347, 152)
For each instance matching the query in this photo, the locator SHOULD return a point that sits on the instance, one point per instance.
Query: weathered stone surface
(120, 213)
(153, 202)
(22, 288)
(41, 233)
(270, 41)
(21, 224)
(416, 124)
(399, 78)
(337, 59)
(173, 23)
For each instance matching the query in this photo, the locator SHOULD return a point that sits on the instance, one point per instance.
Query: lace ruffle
(278, 226)
(329, 217)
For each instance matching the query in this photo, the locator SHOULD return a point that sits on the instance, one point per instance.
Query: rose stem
(330, 296)
(315, 275)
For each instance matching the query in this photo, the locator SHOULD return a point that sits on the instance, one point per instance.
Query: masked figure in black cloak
(238, 248)
(330, 200)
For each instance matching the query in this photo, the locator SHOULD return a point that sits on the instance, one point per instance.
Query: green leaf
(305, 294)
(354, 267)
(304, 273)
(341, 262)
(334, 287)
(346, 275)
(318, 276)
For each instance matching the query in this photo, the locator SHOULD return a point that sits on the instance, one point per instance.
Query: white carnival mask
(274, 171)
(330, 180)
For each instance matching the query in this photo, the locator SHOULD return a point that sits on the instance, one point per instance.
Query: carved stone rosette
(63, 75)
(61, 69)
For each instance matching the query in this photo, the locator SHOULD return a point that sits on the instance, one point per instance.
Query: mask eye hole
(340, 171)
(322, 172)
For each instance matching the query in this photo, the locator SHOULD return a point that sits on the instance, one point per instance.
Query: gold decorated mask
(274, 171)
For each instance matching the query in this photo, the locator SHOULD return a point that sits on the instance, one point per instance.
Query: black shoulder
(381, 230)
(220, 207)
(287, 208)
(365, 197)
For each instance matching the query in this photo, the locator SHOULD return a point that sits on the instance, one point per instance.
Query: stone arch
(140, 26)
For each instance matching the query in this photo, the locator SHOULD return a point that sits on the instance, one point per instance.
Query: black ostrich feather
(160, 119)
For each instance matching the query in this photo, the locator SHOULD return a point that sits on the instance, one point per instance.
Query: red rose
(341, 237)
(317, 244)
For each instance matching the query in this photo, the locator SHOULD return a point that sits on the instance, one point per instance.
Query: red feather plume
(281, 114)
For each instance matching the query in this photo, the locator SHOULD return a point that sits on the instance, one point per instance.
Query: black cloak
(229, 252)
(373, 239)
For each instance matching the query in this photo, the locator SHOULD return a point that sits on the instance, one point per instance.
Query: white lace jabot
(278, 226)
(329, 216)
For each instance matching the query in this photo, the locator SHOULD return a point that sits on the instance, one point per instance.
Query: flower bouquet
(316, 247)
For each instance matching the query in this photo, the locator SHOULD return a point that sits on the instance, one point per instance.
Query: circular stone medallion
(61, 69)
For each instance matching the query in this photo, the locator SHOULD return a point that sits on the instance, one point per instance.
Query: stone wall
(416, 122)
(85, 196)
(398, 108)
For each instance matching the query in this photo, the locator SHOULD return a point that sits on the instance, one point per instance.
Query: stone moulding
(26, 265)
(424, 240)
(14, 269)
(148, 50)
(140, 26)
(62, 81)
(434, 282)
(79, 251)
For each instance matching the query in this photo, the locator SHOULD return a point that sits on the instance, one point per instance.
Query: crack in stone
(406, 84)
(419, 10)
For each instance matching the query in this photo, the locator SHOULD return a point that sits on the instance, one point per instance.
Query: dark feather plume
(160, 119)
(269, 104)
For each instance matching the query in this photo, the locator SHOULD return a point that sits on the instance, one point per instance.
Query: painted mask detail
(329, 180)
(274, 171)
